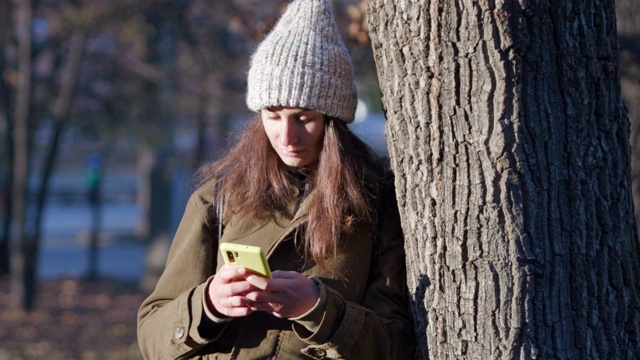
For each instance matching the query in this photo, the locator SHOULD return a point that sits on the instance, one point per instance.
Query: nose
(288, 135)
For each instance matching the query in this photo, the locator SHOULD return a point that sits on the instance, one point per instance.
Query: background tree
(20, 287)
(6, 132)
(56, 35)
(627, 12)
(509, 140)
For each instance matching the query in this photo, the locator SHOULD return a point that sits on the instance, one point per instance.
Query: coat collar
(299, 218)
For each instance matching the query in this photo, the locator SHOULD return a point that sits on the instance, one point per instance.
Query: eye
(272, 116)
(306, 118)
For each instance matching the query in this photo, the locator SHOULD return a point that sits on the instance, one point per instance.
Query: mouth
(292, 153)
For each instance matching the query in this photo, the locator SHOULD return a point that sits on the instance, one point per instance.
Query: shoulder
(202, 199)
(204, 192)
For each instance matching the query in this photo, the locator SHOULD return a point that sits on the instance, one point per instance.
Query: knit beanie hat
(304, 63)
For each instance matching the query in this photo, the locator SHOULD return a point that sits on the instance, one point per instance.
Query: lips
(292, 153)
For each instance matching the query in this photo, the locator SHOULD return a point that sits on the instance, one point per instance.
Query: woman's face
(295, 134)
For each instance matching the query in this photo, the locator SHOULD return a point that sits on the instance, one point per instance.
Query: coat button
(179, 333)
(317, 353)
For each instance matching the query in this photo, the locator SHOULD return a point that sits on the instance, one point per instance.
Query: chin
(296, 163)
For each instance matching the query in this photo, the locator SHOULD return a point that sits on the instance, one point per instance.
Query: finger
(259, 296)
(240, 301)
(238, 306)
(231, 274)
(260, 282)
(239, 311)
(278, 299)
(269, 307)
(241, 287)
(237, 301)
(280, 274)
(260, 306)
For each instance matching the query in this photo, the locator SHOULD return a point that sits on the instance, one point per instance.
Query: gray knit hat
(304, 63)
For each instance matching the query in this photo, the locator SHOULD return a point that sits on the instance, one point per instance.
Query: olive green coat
(366, 314)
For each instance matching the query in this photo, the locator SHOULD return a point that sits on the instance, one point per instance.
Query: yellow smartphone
(250, 257)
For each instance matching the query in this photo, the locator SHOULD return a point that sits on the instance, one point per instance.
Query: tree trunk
(156, 209)
(509, 141)
(20, 296)
(6, 152)
(59, 115)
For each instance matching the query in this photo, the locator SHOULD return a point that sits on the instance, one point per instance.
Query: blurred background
(106, 109)
(123, 100)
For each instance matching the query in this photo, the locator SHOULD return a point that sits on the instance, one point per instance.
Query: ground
(72, 320)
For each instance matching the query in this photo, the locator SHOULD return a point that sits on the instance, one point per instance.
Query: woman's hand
(226, 292)
(288, 294)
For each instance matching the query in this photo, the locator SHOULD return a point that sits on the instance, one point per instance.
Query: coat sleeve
(171, 321)
(380, 327)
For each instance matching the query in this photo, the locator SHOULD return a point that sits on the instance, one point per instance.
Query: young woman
(300, 185)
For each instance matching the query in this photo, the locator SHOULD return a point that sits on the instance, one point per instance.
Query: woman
(306, 190)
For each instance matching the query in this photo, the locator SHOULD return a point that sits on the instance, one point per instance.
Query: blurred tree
(20, 286)
(352, 18)
(627, 14)
(509, 140)
(26, 240)
(59, 112)
(6, 133)
(55, 50)
(217, 44)
(154, 199)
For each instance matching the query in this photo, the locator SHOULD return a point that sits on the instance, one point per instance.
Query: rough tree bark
(509, 141)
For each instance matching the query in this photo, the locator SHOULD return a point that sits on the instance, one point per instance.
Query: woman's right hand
(226, 292)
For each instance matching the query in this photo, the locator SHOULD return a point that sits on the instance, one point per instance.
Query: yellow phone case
(250, 257)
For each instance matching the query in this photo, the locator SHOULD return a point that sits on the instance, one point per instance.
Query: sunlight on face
(295, 134)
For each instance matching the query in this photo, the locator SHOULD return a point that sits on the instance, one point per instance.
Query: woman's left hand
(288, 294)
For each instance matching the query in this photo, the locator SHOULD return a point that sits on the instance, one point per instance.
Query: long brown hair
(254, 182)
